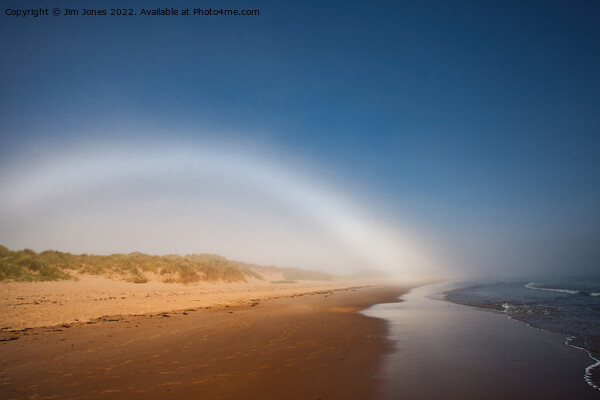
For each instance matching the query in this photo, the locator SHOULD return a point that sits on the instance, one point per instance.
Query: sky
(427, 138)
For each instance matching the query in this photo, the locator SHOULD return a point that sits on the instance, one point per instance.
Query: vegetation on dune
(27, 265)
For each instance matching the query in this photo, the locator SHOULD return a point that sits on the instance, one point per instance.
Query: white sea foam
(595, 294)
(588, 376)
(533, 286)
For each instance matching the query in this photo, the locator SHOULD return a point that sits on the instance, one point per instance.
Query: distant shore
(286, 341)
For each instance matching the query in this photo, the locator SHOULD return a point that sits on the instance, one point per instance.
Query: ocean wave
(595, 294)
(533, 286)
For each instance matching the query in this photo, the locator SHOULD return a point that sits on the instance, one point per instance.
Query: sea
(569, 307)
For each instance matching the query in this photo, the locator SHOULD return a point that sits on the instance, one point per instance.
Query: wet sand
(449, 351)
(299, 346)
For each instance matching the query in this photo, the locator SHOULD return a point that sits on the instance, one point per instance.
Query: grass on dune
(27, 265)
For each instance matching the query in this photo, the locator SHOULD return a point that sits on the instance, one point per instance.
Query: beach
(262, 340)
(303, 341)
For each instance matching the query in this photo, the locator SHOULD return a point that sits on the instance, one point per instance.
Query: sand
(263, 341)
(27, 305)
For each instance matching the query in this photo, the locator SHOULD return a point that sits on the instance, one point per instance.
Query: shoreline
(567, 339)
(459, 351)
(299, 345)
(590, 376)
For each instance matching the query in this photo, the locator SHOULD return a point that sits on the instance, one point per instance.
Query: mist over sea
(567, 306)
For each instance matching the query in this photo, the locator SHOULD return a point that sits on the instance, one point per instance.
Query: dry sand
(27, 305)
(227, 341)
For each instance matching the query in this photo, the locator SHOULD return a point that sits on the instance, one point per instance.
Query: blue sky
(473, 126)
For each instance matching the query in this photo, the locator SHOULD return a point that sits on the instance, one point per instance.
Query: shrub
(4, 252)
